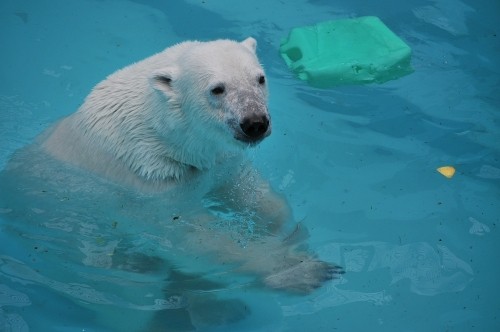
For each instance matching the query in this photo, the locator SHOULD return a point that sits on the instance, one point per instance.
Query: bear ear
(250, 43)
(162, 79)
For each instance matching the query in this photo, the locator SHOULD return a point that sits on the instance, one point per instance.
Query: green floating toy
(349, 51)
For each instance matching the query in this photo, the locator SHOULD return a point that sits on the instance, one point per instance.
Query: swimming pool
(357, 164)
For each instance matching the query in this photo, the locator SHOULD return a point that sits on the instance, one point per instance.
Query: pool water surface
(356, 163)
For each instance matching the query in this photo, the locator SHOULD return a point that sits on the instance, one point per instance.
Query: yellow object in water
(447, 171)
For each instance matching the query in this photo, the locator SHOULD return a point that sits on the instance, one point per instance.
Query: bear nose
(255, 126)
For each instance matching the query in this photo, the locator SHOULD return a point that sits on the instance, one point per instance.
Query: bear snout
(255, 127)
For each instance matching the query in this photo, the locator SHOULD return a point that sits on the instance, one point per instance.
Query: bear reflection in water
(149, 178)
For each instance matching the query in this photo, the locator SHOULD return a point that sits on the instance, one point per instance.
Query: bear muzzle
(253, 128)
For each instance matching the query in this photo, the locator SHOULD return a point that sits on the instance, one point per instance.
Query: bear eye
(218, 90)
(262, 80)
(164, 80)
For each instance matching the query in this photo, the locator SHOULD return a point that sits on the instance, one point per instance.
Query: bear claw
(304, 277)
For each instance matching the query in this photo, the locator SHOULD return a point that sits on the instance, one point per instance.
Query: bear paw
(304, 276)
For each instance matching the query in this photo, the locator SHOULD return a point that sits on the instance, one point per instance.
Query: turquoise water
(357, 164)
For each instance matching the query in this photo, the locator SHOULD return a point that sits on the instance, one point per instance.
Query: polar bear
(179, 119)
(169, 116)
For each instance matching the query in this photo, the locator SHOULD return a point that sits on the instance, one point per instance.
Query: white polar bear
(161, 124)
(169, 116)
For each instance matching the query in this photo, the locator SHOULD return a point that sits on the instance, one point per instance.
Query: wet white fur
(138, 129)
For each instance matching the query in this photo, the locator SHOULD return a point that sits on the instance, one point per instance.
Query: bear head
(219, 89)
